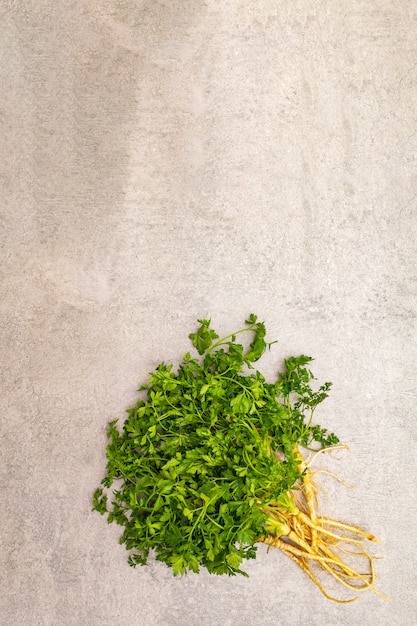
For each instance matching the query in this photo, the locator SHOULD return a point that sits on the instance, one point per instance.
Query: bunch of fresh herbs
(208, 462)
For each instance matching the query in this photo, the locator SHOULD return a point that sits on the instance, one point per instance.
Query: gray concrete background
(169, 160)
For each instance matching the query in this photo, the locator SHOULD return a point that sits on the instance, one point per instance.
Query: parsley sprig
(208, 462)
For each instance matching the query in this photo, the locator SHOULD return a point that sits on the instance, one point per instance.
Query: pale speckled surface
(168, 160)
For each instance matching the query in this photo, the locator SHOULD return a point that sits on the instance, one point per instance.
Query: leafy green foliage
(200, 458)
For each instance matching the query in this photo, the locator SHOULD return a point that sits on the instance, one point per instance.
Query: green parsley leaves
(200, 458)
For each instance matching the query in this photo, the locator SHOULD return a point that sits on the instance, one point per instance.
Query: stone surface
(169, 160)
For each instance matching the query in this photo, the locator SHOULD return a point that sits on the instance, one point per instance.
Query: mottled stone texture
(164, 160)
